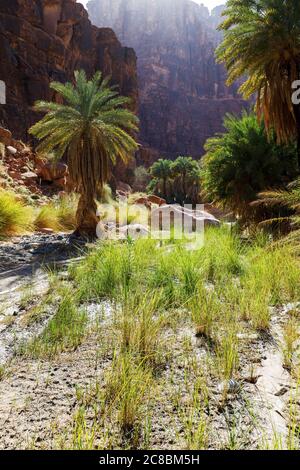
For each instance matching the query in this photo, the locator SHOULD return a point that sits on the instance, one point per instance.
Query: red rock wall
(183, 96)
(45, 40)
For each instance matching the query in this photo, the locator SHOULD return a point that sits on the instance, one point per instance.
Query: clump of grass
(290, 336)
(205, 308)
(66, 212)
(15, 217)
(127, 385)
(194, 417)
(27, 297)
(99, 275)
(47, 218)
(65, 330)
(2, 372)
(254, 305)
(140, 324)
(2, 150)
(227, 353)
(83, 433)
(57, 215)
(221, 256)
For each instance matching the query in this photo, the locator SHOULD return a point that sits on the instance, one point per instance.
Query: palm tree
(181, 168)
(93, 129)
(194, 185)
(242, 162)
(162, 171)
(262, 41)
(285, 201)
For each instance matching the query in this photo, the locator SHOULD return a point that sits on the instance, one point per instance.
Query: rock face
(45, 40)
(183, 96)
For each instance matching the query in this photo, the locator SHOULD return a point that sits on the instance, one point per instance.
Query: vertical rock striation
(183, 96)
(45, 40)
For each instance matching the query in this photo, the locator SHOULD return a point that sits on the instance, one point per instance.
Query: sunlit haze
(209, 3)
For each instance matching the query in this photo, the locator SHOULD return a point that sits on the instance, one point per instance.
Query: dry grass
(15, 217)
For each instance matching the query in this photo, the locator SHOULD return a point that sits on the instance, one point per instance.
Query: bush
(15, 217)
(58, 215)
(242, 162)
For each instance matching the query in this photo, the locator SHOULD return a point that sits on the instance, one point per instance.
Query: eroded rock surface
(183, 96)
(46, 40)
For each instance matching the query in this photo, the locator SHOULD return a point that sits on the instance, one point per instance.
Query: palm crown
(92, 128)
(262, 42)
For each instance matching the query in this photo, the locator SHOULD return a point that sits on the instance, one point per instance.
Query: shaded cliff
(183, 96)
(45, 40)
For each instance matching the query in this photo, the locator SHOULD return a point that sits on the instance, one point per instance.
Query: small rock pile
(24, 171)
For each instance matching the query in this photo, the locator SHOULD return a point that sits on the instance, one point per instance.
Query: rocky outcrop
(183, 96)
(45, 40)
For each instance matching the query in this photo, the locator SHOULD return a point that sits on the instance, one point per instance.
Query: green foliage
(177, 181)
(57, 215)
(15, 217)
(262, 42)
(287, 201)
(241, 162)
(141, 179)
(94, 129)
(65, 331)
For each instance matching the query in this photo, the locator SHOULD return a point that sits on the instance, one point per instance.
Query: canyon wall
(183, 96)
(46, 40)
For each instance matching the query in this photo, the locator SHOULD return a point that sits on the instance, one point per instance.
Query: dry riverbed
(62, 401)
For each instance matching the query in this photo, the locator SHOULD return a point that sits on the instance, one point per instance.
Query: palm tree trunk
(86, 217)
(297, 115)
(184, 187)
(165, 187)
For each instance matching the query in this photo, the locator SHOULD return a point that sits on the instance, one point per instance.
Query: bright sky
(209, 3)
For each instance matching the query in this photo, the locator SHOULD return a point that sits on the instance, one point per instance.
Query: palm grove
(255, 153)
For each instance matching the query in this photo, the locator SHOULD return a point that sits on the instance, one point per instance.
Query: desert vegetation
(170, 345)
(176, 182)
(155, 342)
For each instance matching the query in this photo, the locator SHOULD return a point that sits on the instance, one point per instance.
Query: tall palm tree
(181, 168)
(194, 185)
(262, 42)
(93, 129)
(162, 170)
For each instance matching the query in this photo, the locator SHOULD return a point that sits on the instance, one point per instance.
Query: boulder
(143, 201)
(12, 150)
(147, 201)
(134, 231)
(157, 200)
(5, 136)
(124, 188)
(52, 171)
(193, 221)
(29, 177)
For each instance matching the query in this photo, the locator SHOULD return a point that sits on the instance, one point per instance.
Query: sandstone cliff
(45, 40)
(183, 97)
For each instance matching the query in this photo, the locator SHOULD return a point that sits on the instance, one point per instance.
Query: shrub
(242, 162)
(15, 217)
(58, 215)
